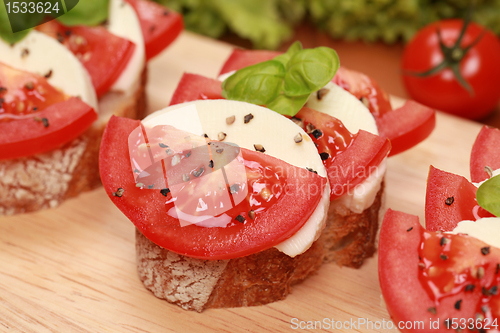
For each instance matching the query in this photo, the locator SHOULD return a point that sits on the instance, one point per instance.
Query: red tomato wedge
(148, 208)
(364, 87)
(349, 159)
(160, 26)
(406, 126)
(44, 130)
(193, 87)
(485, 152)
(450, 199)
(103, 54)
(433, 282)
(36, 117)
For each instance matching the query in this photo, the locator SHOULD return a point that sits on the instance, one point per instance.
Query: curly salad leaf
(284, 83)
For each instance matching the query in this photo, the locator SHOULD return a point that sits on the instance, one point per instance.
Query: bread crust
(45, 180)
(260, 278)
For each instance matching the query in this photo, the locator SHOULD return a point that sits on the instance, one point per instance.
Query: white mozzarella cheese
(486, 229)
(273, 131)
(123, 22)
(41, 54)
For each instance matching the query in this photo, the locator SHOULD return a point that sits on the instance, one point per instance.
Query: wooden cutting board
(73, 268)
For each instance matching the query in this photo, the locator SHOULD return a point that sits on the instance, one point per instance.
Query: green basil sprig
(488, 195)
(284, 83)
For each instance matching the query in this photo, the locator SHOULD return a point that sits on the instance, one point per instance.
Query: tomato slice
(103, 54)
(426, 280)
(193, 87)
(160, 26)
(485, 153)
(149, 209)
(36, 117)
(349, 159)
(44, 130)
(406, 126)
(450, 199)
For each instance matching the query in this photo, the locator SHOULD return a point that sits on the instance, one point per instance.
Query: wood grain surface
(72, 269)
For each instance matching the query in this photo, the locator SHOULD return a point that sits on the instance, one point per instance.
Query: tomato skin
(103, 54)
(485, 153)
(480, 68)
(25, 137)
(406, 126)
(143, 208)
(193, 87)
(160, 26)
(243, 58)
(407, 300)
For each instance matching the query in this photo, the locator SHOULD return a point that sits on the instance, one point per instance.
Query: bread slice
(45, 180)
(260, 278)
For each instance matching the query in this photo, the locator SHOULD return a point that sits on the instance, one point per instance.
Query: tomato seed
(230, 120)
(251, 214)
(221, 136)
(321, 93)
(298, 138)
(119, 192)
(259, 147)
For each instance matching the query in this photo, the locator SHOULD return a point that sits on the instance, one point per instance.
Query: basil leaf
(292, 50)
(310, 70)
(488, 195)
(287, 105)
(85, 12)
(257, 84)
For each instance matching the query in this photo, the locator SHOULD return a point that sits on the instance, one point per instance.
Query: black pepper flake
(447, 323)
(1, 101)
(219, 151)
(443, 241)
(443, 257)
(247, 118)
(60, 38)
(493, 290)
(321, 93)
(259, 147)
(3, 89)
(481, 330)
(67, 33)
(449, 201)
(432, 310)
(119, 192)
(311, 170)
(240, 219)
(48, 75)
(409, 229)
(165, 13)
(205, 136)
(458, 304)
(498, 269)
(35, 108)
(198, 172)
(324, 156)
(29, 85)
(24, 53)
(485, 250)
(234, 188)
(162, 145)
(188, 154)
(470, 287)
(165, 191)
(44, 121)
(152, 28)
(211, 164)
(151, 186)
(485, 308)
(317, 133)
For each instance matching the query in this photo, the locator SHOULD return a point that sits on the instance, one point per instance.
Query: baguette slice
(260, 278)
(45, 180)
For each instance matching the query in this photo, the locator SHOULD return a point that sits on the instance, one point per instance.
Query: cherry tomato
(479, 67)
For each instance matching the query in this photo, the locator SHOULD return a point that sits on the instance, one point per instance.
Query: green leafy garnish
(86, 12)
(488, 195)
(284, 83)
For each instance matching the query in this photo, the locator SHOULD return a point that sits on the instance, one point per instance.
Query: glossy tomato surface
(485, 153)
(436, 279)
(480, 67)
(150, 208)
(103, 54)
(36, 117)
(193, 87)
(160, 26)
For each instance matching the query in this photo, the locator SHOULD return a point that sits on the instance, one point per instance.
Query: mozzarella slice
(41, 54)
(486, 229)
(342, 105)
(123, 22)
(267, 128)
